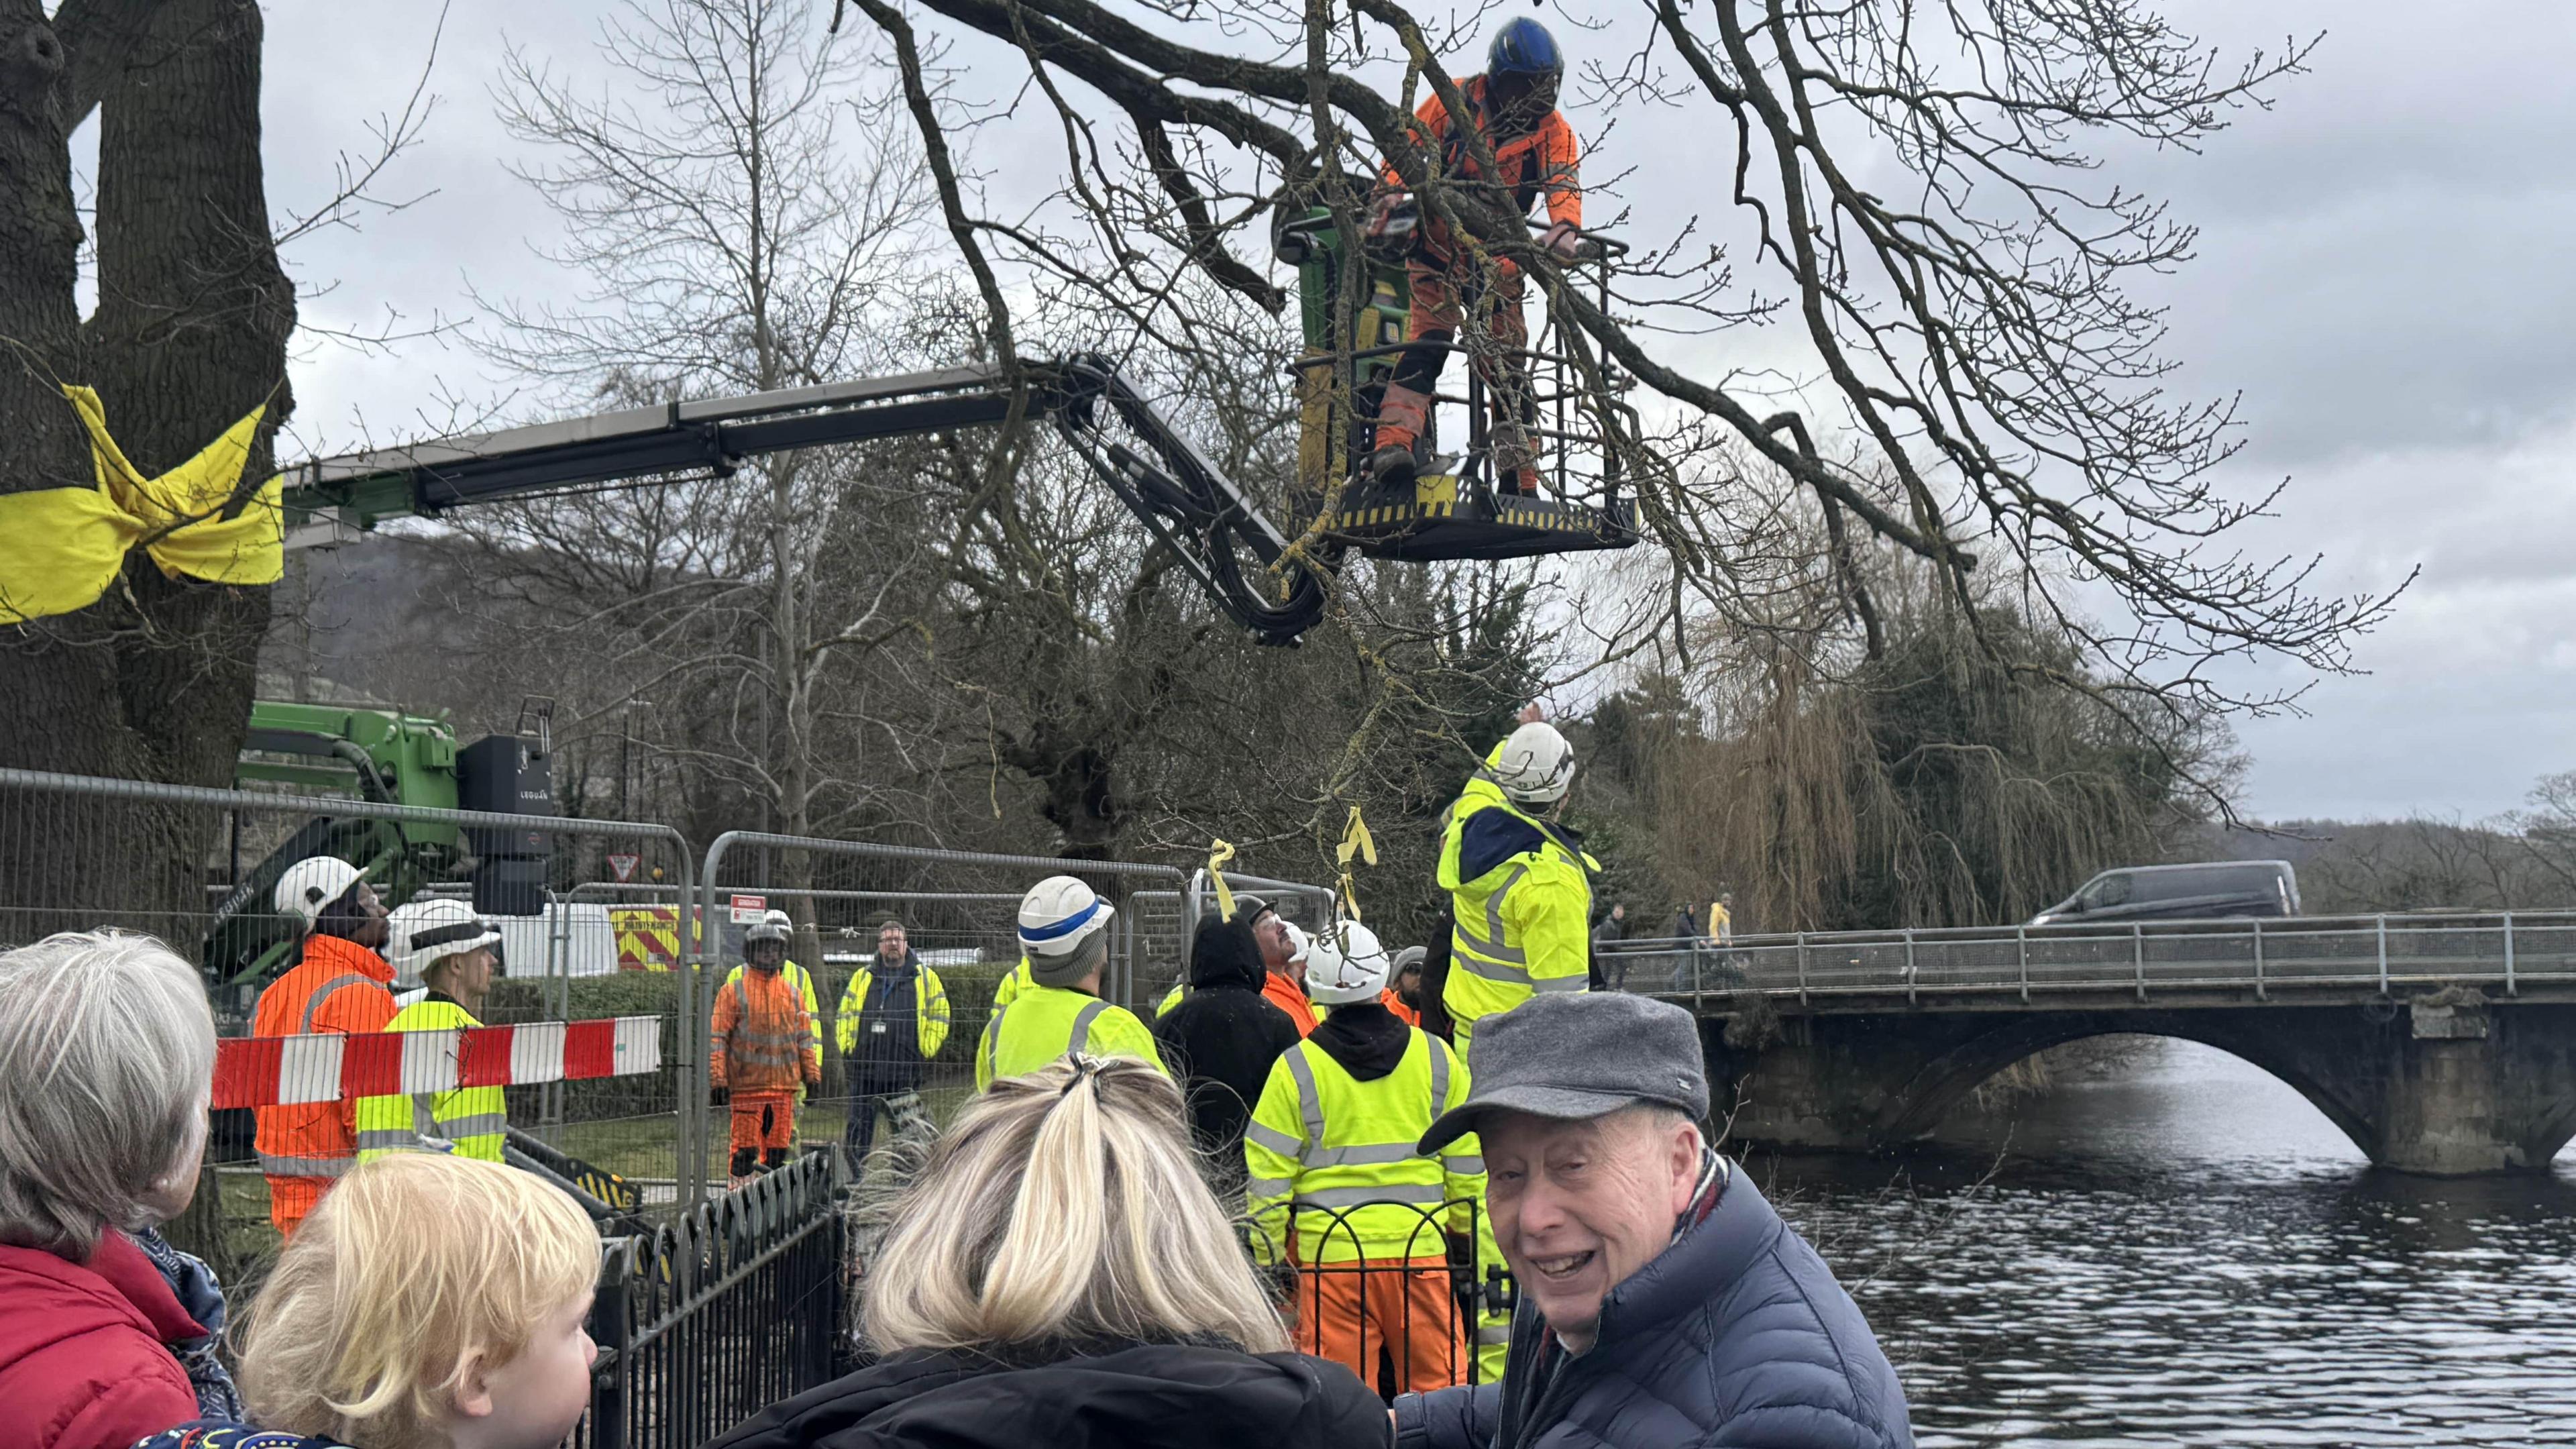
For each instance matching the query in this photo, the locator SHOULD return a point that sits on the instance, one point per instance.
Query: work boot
(1401, 416)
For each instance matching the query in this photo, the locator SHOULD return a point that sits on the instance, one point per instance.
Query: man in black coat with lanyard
(893, 1020)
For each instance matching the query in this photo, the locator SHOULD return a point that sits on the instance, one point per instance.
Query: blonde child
(430, 1302)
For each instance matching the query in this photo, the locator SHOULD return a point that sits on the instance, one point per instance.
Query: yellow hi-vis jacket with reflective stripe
(803, 980)
(1042, 1023)
(1013, 982)
(1521, 892)
(929, 1009)
(1336, 1154)
(475, 1119)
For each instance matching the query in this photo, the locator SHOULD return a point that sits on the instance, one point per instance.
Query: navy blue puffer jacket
(1736, 1336)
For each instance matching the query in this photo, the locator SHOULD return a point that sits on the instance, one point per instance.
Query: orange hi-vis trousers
(764, 1119)
(1348, 1311)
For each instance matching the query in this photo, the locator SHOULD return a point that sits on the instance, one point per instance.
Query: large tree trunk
(154, 681)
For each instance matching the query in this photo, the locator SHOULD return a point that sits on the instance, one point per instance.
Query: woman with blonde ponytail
(1055, 1273)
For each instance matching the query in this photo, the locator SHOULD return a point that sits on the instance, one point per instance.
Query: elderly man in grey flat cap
(1662, 1302)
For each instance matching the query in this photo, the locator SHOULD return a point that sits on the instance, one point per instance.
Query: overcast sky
(2384, 273)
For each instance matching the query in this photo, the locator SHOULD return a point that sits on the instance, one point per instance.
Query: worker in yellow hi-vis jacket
(893, 1020)
(1519, 882)
(1064, 931)
(1336, 1186)
(438, 944)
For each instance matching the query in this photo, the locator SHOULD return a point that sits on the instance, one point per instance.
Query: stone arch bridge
(2439, 1044)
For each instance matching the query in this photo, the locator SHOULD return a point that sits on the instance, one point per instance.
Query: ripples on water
(2193, 1255)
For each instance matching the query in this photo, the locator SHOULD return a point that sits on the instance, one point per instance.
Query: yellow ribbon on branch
(1356, 840)
(1217, 857)
(65, 546)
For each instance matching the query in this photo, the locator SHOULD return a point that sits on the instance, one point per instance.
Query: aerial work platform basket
(1454, 508)
(1426, 521)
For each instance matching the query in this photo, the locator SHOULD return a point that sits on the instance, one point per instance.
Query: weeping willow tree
(1944, 780)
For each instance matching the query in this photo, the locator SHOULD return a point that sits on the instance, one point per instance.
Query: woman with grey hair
(107, 1059)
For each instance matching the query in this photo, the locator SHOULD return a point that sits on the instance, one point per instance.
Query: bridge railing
(2503, 951)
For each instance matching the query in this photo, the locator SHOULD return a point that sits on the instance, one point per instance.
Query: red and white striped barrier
(273, 1071)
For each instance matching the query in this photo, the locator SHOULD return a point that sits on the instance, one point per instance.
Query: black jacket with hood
(1221, 1040)
(1364, 1038)
(1130, 1396)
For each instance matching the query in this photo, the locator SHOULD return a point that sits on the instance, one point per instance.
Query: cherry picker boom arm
(1191, 506)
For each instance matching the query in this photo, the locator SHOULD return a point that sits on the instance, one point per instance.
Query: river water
(2188, 1253)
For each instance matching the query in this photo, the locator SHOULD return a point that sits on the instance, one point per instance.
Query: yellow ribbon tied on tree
(1356, 840)
(1217, 857)
(60, 548)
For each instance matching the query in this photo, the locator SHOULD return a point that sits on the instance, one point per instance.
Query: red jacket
(82, 1357)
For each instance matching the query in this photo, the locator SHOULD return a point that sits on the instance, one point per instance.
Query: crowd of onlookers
(1056, 1269)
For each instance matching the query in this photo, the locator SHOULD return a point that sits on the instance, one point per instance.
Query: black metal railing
(1404, 1315)
(711, 1318)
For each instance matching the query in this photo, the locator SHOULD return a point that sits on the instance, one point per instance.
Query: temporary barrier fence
(735, 1305)
(198, 868)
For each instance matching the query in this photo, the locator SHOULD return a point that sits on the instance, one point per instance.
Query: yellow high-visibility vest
(1336, 1154)
(1520, 894)
(475, 1119)
(1042, 1023)
(929, 1010)
(1016, 980)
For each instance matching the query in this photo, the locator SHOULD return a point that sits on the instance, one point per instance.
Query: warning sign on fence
(648, 937)
(623, 866)
(747, 910)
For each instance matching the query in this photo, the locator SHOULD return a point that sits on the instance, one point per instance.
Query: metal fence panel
(197, 868)
(960, 914)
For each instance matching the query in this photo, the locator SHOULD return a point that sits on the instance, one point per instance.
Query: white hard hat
(1060, 914)
(312, 883)
(778, 918)
(423, 933)
(1535, 765)
(1346, 964)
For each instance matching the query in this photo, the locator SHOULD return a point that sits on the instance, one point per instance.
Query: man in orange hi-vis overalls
(1513, 106)
(763, 1046)
(338, 985)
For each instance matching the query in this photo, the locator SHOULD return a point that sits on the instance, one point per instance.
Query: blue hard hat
(1523, 47)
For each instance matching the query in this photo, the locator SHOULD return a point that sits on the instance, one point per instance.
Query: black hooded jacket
(1133, 1396)
(1221, 1040)
(1365, 1038)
